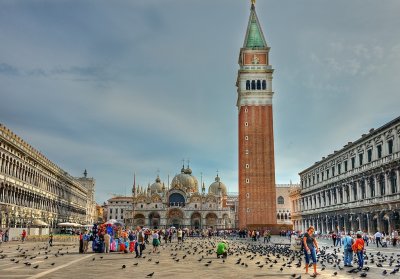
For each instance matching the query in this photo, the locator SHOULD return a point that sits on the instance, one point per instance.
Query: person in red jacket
(359, 249)
(23, 235)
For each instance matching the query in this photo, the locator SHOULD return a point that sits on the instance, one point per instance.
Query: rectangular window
(110, 211)
(390, 146)
(333, 171)
(313, 179)
(246, 124)
(327, 174)
(360, 158)
(247, 180)
(246, 138)
(369, 153)
(345, 165)
(353, 163)
(339, 167)
(379, 149)
(247, 166)
(317, 177)
(322, 174)
(122, 211)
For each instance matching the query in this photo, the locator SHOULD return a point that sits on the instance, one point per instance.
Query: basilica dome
(185, 181)
(217, 186)
(156, 187)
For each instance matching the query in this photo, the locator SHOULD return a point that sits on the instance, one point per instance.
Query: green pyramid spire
(254, 35)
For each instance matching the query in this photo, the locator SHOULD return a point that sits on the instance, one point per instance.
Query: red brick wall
(261, 172)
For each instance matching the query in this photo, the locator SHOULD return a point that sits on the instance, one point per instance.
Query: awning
(38, 222)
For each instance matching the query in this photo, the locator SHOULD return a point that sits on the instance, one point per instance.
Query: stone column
(367, 188)
(398, 180)
(351, 192)
(358, 186)
(387, 186)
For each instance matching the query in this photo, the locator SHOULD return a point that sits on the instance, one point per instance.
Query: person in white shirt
(378, 237)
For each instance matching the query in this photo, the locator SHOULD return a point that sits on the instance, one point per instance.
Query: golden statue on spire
(253, 2)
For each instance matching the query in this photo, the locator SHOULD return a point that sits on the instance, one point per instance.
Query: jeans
(312, 255)
(378, 241)
(348, 257)
(338, 242)
(138, 249)
(360, 257)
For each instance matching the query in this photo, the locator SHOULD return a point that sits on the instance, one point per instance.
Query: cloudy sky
(119, 87)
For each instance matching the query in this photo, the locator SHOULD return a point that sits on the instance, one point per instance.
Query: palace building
(257, 191)
(355, 188)
(36, 192)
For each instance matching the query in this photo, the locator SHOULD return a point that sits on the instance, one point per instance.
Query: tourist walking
(179, 235)
(339, 239)
(378, 237)
(1, 237)
(23, 235)
(107, 242)
(348, 242)
(334, 238)
(359, 249)
(395, 237)
(139, 245)
(51, 240)
(310, 249)
(156, 241)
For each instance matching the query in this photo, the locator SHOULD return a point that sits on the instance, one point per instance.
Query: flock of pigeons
(274, 259)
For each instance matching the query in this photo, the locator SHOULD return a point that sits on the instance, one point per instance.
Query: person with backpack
(347, 242)
(359, 249)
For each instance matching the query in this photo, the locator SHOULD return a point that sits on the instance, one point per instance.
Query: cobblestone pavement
(195, 257)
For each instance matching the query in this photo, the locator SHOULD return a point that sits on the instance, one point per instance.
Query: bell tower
(257, 193)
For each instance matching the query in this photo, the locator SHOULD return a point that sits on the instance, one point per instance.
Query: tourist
(156, 241)
(1, 237)
(179, 235)
(359, 249)
(107, 241)
(310, 249)
(366, 238)
(23, 235)
(347, 249)
(80, 243)
(86, 238)
(378, 237)
(222, 249)
(6, 234)
(339, 239)
(51, 240)
(265, 236)
(395, 238)
(334, 238)
(139, 245)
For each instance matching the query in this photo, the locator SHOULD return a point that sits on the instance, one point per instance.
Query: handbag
(143, 246)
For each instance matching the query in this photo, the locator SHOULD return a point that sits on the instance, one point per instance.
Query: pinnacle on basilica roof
(254, 36)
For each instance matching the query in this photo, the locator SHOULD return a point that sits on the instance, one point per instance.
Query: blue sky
(119, 87)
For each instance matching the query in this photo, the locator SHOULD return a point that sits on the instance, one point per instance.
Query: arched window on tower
(281, 200)
(247, 84)
(258, 84)
(278, 216)
(253, 84)
(264, 84)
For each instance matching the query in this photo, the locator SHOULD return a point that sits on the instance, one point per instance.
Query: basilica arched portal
(195, 220)
(175, 218)
(154, 220)
(211, 220)
(139, 220)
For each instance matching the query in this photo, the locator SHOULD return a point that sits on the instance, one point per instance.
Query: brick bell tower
(257, 193)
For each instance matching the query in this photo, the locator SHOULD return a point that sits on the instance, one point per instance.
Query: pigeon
(36, 266)
(123, 266)
(151, 274)
(135, 263)
(364, 274)
(53, 263)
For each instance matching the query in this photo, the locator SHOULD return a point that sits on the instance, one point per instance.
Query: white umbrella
(38, 222)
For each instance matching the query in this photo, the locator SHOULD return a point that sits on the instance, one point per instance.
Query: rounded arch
(176, 199)
(139, 220)
(281, 200)
(211, 220)
(175, 217)
(154, 220)
(195, 220)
